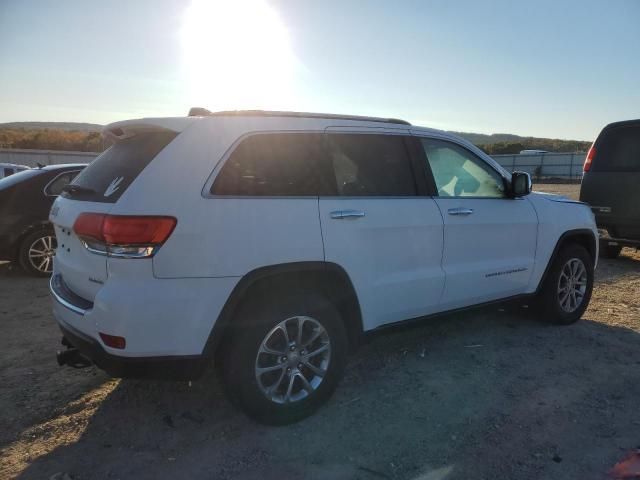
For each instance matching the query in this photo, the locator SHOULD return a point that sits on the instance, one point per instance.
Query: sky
(547, 68)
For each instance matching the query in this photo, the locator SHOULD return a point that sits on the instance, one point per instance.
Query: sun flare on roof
(237, 55)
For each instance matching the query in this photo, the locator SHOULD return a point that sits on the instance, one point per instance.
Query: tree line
(92, 141)
(548, 145)
(51, 139)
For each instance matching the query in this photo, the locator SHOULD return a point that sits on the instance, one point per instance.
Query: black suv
(26, 236)
(611, 185)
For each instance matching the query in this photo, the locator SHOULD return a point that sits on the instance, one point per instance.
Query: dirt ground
(488, 394)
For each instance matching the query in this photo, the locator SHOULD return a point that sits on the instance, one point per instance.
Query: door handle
(340, 214)
(460, 211)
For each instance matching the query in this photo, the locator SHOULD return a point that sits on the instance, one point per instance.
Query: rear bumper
(158, 317)
(174, 368)
(61, 294)
(607, 240)
(619, 242)
(618, 226)
(74, 315)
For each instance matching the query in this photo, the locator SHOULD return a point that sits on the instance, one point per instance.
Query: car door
(489, 238)
(381, 227)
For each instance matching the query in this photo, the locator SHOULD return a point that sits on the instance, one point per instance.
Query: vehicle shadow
(613, 269)
(484, 394)
(10, 269)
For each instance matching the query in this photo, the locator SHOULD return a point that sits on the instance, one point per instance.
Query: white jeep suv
(271, 241)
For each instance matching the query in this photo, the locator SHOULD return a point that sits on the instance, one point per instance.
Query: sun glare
(237, 55)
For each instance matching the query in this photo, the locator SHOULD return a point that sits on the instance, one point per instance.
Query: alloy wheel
(572, 285)
(293, 359)
(41, 253)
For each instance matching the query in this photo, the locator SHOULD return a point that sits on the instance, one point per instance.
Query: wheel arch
(16, 243)
(583, 237)
(330, 277)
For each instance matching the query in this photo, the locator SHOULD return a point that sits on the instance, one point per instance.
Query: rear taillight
(123, 235)
(587, 161)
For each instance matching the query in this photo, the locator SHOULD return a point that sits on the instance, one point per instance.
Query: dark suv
(611, 185)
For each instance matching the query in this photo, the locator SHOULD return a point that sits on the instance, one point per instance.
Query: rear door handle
(460, 211)
(339, 214)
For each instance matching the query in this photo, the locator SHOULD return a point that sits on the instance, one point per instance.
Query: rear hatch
(96, 190)
(611, 182)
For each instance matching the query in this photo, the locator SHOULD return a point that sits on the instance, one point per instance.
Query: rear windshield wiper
(70, 188)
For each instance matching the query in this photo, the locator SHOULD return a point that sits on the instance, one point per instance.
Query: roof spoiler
(128, 128)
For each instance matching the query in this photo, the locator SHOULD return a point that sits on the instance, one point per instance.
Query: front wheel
(567, 287)
(286, 357)
(37, 251)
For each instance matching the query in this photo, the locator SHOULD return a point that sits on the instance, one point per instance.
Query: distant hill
(69, 126)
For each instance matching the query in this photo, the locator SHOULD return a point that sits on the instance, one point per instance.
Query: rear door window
(371, 165)
(55, 187)
(107, 177)
(277, 164)
(618, 150)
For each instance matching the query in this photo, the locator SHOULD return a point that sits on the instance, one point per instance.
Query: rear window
(55, 186)
(107, 177)
(278, 164)
(371, 165)
(618, 150)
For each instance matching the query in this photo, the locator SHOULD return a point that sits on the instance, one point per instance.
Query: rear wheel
(610, 251)
(567, 287)
(285, 358)
(37, 251)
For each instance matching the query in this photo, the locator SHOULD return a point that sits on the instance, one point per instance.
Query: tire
(36, 252)
(610, 251)
(553, 303)
(258, 326)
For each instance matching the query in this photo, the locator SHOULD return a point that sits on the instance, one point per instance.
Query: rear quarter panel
(218, 236)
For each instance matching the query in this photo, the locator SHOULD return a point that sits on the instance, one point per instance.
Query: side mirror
(520, 184)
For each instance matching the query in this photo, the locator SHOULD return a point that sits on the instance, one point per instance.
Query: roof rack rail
(203, 112)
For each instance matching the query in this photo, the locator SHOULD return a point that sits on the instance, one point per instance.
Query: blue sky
(560, 68)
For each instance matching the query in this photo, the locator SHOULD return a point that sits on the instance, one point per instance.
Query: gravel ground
(492, 393)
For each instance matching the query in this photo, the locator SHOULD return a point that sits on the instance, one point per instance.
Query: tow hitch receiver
(71, 356)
